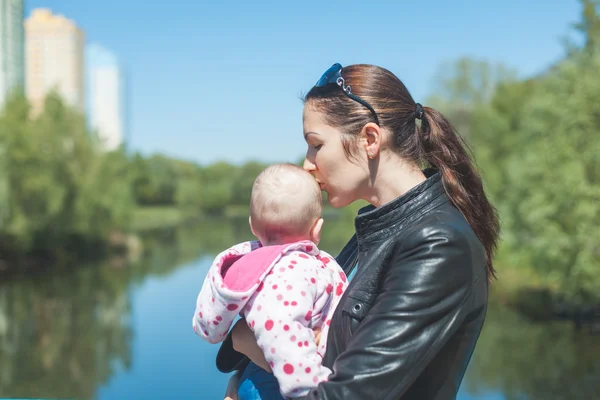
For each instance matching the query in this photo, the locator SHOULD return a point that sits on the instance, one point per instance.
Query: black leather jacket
(408, 322)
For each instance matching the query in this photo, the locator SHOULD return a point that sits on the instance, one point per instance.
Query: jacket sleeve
(418, 309)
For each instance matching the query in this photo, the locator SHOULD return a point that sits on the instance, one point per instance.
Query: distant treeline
(60, 192)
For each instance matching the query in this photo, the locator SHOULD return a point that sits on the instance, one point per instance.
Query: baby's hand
(317, 332)
(232, 387)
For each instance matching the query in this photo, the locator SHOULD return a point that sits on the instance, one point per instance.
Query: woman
(421, 258)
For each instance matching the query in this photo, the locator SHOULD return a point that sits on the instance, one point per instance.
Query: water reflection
(63, 335)
(531, 360)
(122, 330)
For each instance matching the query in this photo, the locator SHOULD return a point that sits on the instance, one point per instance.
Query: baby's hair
(285, 202)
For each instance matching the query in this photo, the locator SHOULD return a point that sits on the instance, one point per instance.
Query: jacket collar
(373, 221)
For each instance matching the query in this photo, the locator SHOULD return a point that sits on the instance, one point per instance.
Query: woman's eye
(317, 147)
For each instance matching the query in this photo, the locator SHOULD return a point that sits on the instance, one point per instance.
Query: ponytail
(435, 141)
(443, 148)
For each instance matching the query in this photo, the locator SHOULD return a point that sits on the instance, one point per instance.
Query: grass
(153, 217)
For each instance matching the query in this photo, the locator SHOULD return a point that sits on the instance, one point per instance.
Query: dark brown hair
(435, 143)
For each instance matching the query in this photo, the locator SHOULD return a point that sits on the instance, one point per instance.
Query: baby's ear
(251, 227)
(315, 232)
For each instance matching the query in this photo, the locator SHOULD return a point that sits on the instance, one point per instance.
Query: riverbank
(525, 291)
(522, 289)
(156, 217)
(79, 249)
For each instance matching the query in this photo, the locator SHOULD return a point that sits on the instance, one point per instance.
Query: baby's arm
(280, 316)
(215, 310)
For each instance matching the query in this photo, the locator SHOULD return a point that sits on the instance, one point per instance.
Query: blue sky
(221, 81)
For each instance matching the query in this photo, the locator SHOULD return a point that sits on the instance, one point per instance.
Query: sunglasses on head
(334, 75)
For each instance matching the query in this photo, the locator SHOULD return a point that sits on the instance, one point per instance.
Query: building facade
(106, 96)
(54, 54)
(12, 48)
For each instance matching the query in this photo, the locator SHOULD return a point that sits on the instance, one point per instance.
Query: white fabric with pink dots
(284, 292)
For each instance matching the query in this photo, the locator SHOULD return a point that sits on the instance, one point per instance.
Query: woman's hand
(232, 386)
(244, 342)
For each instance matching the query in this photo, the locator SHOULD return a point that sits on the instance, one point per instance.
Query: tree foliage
(537, 142)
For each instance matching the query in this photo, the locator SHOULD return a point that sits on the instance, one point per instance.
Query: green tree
(189, 191)
(553, 187)
(156, 180)
(589, 26)
(537, 144)
(464, 85)
(105, 199)
(243, 182)
(218, 186)
(63, 192)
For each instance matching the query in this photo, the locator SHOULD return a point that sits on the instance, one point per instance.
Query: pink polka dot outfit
(283, 291)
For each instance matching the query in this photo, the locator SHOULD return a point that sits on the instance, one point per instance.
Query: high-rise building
(106, 96)
(12, 48)
(54, 48)
(12, 67)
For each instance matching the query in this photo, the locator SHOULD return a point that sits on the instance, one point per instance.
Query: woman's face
(342, 179)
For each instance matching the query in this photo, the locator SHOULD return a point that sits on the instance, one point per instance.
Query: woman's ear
(370, 137)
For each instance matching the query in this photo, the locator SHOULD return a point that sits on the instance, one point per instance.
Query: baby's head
(285, 206)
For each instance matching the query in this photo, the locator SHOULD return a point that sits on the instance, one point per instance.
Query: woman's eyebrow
(310, 133)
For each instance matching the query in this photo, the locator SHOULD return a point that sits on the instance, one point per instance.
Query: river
(121, 329)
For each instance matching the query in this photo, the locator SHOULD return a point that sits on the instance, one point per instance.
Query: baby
(283, 285)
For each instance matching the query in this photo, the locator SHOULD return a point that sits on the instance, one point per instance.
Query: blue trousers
(258, 384)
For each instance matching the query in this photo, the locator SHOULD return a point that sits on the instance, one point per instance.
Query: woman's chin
(336, 202)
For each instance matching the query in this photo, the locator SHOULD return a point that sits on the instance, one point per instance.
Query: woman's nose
(308, 165)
